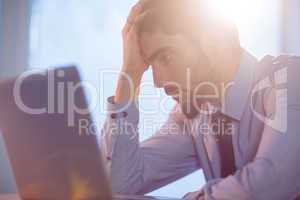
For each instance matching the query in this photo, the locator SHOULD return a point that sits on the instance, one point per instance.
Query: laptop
(51, 158)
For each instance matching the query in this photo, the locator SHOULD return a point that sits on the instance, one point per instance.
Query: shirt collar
(237, 95)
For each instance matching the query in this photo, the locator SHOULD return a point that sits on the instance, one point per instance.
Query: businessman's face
(179, 67)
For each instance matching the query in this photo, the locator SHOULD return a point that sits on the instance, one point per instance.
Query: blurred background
(38, 34)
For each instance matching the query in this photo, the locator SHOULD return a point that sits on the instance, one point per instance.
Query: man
(236, 117)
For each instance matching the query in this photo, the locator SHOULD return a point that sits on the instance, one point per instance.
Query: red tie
(224, 141)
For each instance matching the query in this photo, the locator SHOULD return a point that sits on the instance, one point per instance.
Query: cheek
(179, 77)
(189, 77)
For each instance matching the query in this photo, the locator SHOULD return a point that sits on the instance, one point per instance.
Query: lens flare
(242, 12)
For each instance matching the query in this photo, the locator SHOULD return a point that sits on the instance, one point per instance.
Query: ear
(220, 42)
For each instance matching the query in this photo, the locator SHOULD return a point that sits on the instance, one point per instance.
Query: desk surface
(9, 197)
(16, 197)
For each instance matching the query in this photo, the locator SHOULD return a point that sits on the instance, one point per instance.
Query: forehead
(153, 42)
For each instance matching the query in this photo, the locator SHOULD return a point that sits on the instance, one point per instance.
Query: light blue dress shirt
(265, 103)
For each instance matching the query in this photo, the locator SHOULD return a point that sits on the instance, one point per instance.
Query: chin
(189, 111)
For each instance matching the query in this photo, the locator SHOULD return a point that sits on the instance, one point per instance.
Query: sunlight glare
(242, 12)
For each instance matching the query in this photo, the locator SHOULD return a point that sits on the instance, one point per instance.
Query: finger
(132, 34)
(135, 24)
(133, 38)
(149, 3)
(201, 198)
(135, 11)
(193, 196)
(186, 196)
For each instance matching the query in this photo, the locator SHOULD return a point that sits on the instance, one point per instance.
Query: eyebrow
(159, 51)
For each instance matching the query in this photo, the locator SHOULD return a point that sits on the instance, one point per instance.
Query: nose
(157, 78)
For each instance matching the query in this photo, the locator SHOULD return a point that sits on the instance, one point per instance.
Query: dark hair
(170, 16)
(191, 17)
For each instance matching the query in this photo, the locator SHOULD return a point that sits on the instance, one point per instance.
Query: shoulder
(273, 66)
(278, 72)
(277, 81)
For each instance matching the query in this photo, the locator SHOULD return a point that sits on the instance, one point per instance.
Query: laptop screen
(51, 156)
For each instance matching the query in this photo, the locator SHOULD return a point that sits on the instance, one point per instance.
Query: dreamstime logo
(277, 119)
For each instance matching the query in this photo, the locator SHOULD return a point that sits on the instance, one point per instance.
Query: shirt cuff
(127, 110)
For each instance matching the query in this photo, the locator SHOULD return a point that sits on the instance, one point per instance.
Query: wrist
(131, 78)
(132, 73)
(127, 86)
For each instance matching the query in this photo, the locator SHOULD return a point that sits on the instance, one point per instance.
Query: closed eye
(165, 58)
(157, 54)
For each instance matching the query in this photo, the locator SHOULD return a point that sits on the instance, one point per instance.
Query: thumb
(193, 196)
(132, 34)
